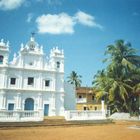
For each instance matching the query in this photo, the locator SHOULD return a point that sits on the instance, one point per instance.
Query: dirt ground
(116, 131)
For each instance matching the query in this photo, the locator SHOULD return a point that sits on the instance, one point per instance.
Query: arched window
(29, 104)
(58, 64)
(1, 59)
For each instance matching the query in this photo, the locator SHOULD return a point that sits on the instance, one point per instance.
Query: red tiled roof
(84, 90)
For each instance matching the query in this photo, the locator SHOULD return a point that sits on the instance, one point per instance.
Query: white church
(32, 84)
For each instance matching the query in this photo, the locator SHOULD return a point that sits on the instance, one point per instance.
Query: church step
(53, 122)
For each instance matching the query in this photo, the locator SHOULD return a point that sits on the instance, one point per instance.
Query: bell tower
(57, 59)
(4, 52)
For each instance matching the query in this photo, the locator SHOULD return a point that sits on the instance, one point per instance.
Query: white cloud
(63, 23)
(86, 19)
(10, 4)
(29, 17)
(55, 24)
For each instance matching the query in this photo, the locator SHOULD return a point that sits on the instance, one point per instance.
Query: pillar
(53, 104)
(62, 104)
(18, 101)
(103, 110)
(40, 101)
(103, 106)
(3, 99)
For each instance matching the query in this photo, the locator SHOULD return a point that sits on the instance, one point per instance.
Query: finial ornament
(33, 34)
(2, 40)
(7, 44)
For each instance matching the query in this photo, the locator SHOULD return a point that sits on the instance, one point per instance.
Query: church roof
(32, 47)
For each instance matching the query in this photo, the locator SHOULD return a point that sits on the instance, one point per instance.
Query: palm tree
(75, 79)
(120, 76)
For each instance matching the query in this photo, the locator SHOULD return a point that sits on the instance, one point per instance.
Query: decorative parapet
(21, 116)
(81, 100)
(55, 52)
(32, 47)
(4, 45)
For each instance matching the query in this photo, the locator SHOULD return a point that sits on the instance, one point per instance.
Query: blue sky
(83, 28)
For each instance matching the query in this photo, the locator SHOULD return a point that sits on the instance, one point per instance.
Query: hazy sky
(83, 28)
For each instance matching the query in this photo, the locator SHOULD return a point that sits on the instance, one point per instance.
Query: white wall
(41, 70)
(70, 97)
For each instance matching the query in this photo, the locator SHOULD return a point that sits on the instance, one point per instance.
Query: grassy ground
(114, 131)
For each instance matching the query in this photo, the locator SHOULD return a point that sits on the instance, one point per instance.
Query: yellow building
(86, 100)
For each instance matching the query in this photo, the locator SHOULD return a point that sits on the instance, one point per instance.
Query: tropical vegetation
(119, 82)
(75, 79)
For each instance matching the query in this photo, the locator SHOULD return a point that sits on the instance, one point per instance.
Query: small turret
(4, 52)
(57, 59)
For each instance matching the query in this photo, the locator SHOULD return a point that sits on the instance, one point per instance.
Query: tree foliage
(75, 79)
(120, 80)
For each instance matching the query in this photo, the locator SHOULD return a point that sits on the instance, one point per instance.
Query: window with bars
(47, 83)
(13, 81)
(1, 59)
(30, 80)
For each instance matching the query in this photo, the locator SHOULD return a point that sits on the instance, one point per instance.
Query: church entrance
(46, 109)
(29, 104)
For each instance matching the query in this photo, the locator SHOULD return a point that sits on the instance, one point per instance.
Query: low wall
(25, 116)
(20, 116)
(123, 116)
(85, 115)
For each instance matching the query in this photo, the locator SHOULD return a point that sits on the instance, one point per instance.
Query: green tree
(120, 77)
(75, 79)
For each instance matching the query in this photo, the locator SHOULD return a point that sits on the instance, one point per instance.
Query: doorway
(29, 104)
(46, 109)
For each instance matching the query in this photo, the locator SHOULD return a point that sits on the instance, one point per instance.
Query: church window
(80, 96)
(31, 63)
(1, 59)
(11, 106)
(58, 64)
(47, 83)
(30, 80)
(13, 81)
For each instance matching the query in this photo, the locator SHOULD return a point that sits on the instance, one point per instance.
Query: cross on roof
(33, 34)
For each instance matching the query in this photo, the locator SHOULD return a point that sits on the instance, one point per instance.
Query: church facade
(32, 82)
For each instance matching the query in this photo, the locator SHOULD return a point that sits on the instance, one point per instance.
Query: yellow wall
(89, 106)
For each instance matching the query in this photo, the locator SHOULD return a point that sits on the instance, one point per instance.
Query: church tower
(57, 59)
(4, 53)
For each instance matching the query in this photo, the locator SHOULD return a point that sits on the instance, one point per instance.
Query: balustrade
(85, 115)
(81, 100)
(19, 116)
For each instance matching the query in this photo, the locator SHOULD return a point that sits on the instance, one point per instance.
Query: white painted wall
(57, 95)
(70, 97)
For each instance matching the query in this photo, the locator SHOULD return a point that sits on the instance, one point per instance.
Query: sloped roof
(84, 90)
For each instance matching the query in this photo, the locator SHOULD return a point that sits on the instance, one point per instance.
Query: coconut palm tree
(75, 79)
(120, 76)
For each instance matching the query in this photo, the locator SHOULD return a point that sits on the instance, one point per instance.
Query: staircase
(52, 122)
